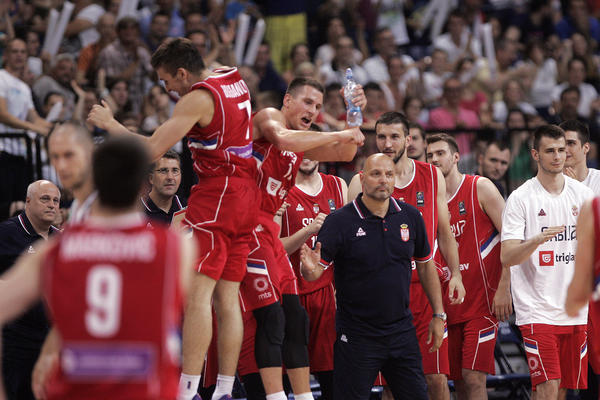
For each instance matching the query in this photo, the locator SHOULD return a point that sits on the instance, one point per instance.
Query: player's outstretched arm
(431, 285)
(294, 241)
(514, 252)
(447, 243)
(310, 265)
(355, 187)
(580, 289)
(46, 363)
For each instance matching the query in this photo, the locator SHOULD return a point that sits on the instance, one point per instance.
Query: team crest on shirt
(420, 199)
(461, 208)
(331, 205)
(575, 211)
(546, 258)
(273, 186)
(404, 232)
(316, 208)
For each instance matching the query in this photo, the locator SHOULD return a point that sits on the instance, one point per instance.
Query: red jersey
(224, 147)
(594, 309)
(421, 192)
(302, 210)
(114, 297)
(277, 171)
(478, 252)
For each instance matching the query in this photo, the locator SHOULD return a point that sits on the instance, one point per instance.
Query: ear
(286, 99)
(408, 140)
(586, 148)
(182, 73)
(456, 156)
(535, 155)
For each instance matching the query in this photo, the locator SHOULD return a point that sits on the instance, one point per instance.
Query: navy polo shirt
(157, 214)
(28, 331)
(371, 257)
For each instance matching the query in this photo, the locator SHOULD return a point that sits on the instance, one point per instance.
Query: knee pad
(297, 328)
(270, 330)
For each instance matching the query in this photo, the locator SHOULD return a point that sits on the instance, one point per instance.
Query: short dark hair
(372, 86)
(171, 155)
(120, 165)
(393, 117)
(551, 131)
(50, 94)
(419, 127)
(583, 132)
(500, 144)
(570, 89)
(176, 53)
(443, 137)
(297, 83)
(574, 59)
(125, 22)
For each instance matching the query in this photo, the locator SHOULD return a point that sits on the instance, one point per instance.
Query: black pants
(357, 359)
(16, 374)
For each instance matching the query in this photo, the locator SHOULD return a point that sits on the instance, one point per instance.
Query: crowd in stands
(482, 70)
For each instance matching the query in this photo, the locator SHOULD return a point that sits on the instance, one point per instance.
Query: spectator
(575, 77)
(300, 54)
(326, 52)
(521, 165)
(127, 59)
(542, 76)
(194, 21)
(578, 19)
(512, 97)
(335, 71)
(458, 41)
(493, 164)
(82, 27)
(579, 46)
(59, 80)
(87, 63)
(159, 109)
(34, 62)
(159, 30)
(416, 148)
(403, 82)
(452, 116)
(51, 99)
(377, 65)
(334, 109)
(376, 106)
(270, 80)
(433, 80)
(567, 110)
(415, 110)
(473, 98)
(169, 7)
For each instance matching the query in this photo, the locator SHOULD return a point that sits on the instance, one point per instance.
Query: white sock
(277, 396)
(188, 386)
(304, 396)
(224, 386)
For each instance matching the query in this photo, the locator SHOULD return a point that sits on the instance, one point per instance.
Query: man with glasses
(162, 201)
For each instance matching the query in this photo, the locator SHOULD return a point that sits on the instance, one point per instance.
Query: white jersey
(539, 284)
(592, 180)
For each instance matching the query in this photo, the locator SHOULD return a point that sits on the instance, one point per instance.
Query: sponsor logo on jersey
(404, 232)
(575, 211)
(461, 208)
(331, 205)
(361, 232)
(273, 186)
(570, 233)
(464, 266)
(458, 227)
(299, 207)
(542, 213)
(420, 199)
(316, 208)
(546, 258)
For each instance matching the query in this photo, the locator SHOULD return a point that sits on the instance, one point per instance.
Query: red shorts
(269, 272)
(436, 362)
(556, 352)
(320, 306)
(471, 346)
(219, 213)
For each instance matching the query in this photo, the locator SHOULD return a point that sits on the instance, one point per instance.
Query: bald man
(23, 338)
(370, 243)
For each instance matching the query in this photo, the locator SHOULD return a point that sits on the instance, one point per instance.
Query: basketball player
(538, 243)
(270, 288)
(422, 186)
(475, 207)
(92, 280)
(417, 145)
(314, 196)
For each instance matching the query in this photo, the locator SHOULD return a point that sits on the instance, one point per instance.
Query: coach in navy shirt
(22, 338)
(370, 243)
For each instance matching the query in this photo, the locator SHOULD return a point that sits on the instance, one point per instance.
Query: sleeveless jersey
(114, 297)
(478, 252)
(277, 171)
(224, 147)
(302, 210)
(421, 192)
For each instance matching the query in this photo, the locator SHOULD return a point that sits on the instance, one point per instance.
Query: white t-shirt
(539, 284)
(592, 180)
(587, 95)
(17, 95)
(91, 13)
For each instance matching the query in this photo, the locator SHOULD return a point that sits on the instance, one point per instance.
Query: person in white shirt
(385, 48)
(538, 245)
(458, 42)
(575, 77)
(335, 71)
(577, 136)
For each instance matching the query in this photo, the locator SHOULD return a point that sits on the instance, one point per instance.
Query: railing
(33, 153)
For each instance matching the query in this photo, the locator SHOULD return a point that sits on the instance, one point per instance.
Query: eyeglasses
(165, 171)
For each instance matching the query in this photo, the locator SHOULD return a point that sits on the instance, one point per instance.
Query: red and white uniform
(269, 272)
(421, 192)
(472, 327)
(317, 297)
(594, 309)
(218, 207)
(98, 280)
(555, 343)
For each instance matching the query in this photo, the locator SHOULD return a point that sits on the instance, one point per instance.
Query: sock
(188, 386)
(277, 396)
(304, 396)
(224, 386)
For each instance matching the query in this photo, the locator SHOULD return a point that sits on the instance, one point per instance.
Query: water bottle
(353, 113)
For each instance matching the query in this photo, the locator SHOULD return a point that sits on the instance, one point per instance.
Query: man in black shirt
(165, 178)
(370, 242)
(23, 338)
